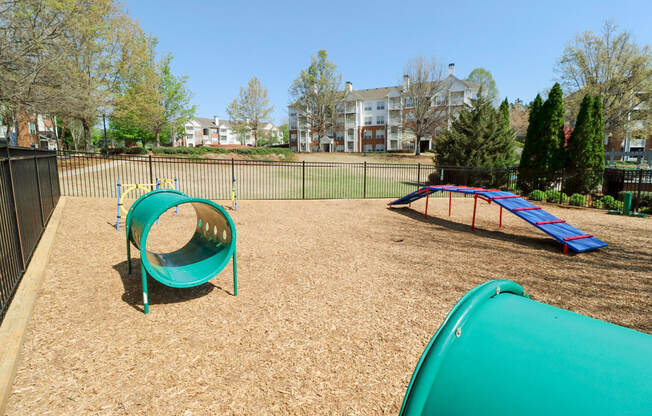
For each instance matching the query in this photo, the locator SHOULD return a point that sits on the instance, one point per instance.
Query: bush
(537, 195)
(608, 202)
(556, 196)
(577, 200)
(136, 151)
(619, 206)
(597, 203)
(644, 201)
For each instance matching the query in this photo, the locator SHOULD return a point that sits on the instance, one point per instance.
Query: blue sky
(220, 45)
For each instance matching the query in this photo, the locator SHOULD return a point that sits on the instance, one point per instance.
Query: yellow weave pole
(125, 188)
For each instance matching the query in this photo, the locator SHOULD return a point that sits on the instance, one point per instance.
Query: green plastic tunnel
(500, 353)
(206, 253)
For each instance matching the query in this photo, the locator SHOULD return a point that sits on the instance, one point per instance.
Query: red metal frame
(550, 222)
(578, 237)
(525, 208)
(506, 197)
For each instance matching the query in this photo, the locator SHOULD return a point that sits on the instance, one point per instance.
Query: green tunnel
(206, 253)
(500, 353)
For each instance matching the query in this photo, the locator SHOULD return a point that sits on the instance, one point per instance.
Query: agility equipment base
(571, 237)
(202, 258)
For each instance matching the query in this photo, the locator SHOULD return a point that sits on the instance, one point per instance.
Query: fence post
(418, 175)
(303, 179)
(151, 172)
(364, 190)
(640, 185)
(19, 238)
(38, 189)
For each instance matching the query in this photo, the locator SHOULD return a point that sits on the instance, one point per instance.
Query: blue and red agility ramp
(571, 237)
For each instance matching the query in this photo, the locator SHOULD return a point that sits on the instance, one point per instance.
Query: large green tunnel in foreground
(500, 353)
(200, 259)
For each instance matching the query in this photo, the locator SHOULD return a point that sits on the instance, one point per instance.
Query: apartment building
(377, 119)
(633, 140)
(34, 130)
(213, 131)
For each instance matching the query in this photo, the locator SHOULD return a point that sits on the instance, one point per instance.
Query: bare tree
(251, 108)
(612, 66)
(423, 82)
(315, 92)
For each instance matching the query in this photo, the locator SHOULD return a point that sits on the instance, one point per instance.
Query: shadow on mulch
(544, 243)
(158, 292)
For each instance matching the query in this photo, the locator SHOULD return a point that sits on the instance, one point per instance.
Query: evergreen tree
(504, 112)
(598, 141)
(477, 138)
(552, 132)
(579, 152)
(527, 179)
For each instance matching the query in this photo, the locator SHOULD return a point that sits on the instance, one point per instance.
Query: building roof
(206, 122)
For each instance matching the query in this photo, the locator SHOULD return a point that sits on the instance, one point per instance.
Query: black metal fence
(96, 175)
(29, 192)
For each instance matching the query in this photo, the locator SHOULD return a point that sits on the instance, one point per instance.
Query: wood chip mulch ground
(337, 301)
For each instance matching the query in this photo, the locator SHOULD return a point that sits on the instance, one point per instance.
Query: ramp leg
(501, 218)
(565, 248)
(450, 202)
(475, 203)
(235, 276)
(145, 292)
(425, 214)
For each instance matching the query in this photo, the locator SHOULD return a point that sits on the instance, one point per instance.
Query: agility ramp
(571, 237)
(499, 353)
(202, 258)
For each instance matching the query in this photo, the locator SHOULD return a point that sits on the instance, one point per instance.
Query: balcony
(350, 109)
(393, 136)
(394, 121)
(349, 124)
(394, 106)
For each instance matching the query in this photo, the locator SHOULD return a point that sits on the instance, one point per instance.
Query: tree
(528, 179)
(284, 129)
(251, 107)
(551, 151)
(479, 137)
(504, 113)
(424, 83)
(315, 91)
(518, 119)
(611, 66)
(483, 78)
(579, 151)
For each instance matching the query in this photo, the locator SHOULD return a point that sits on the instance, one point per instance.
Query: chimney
(216, 120)
(451, 69)
(406, 82)
(349, 86)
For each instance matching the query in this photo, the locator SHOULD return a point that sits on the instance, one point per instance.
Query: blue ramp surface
(573, 238)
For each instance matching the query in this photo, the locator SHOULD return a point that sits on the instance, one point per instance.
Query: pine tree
(504, 112)
(526, 175)
(579, 151)
(477, 138)
(598, 142)
(552, 132)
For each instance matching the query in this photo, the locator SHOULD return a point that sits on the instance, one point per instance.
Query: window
(408, 102)
(380, 134)
(440, 100)
(223, 138)
(340, 120)
(32, 128)
(349, 146)
(368, 121)
(293, 148)
(340, 136)
(205, 132)
(315, 136)
(368, 148)
(410, 116)
(367, 134)
(380, 105)
(380, 147)
(339, 148)
(380, 120)
(293, 136)
(368, 106)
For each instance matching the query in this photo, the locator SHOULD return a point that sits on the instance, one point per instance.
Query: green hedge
(537, 195)
(556, 196)
(203, 150)
(645, 199)
(577, 200)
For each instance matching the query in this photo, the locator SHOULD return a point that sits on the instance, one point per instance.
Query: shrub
(608, 201)
(597, 203)
(619, 206)
(556, 196)
(136, 151)
(645, 199)
(577, 200)
(537, 195)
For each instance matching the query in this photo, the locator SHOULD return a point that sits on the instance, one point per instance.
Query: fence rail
(95, 175)
(29, 192)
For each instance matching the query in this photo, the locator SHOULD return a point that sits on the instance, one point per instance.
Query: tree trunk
(158, 138)
(417, 147)
(17, 123)
(60, 136)
(87, 134)
(255, 137)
